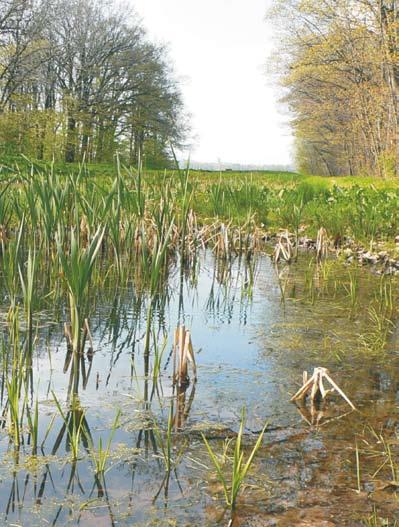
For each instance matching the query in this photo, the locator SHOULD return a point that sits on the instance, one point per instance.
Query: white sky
(219, 48)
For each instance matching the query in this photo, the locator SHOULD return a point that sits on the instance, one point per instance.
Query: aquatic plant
(352, 289)
(375, 338)
(100, 454)
(15, 379)
(376, 521)
(183, 355)
(283, 249)
(74, 424)
(33, 421)
(171, 454)
(239, 467)
(77, 268)
(29, 294)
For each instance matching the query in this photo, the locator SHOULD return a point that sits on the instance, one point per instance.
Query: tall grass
(77, 268)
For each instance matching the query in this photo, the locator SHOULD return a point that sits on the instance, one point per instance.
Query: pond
(255, 328)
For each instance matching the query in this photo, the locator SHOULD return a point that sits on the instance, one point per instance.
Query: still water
(255, 329)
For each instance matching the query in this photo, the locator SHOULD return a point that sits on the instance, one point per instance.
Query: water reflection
(254, 329)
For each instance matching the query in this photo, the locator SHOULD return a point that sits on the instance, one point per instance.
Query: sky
(219, 49)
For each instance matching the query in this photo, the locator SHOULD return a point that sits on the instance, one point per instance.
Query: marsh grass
(352, 290)
(383, 450)
(101, 453)
(239, 468)
(15, 378)
(375, 338)
(74, 424)
(77, 268)
(170, 451)
(33, 421)
(66, 237)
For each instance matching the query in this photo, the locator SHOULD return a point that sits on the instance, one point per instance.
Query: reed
(239, 467)
(30, 299)
(74, 424)
(183, 355)
(165, 442)
(100, 455)
(15, 381)
(352, 290)
(33, 422)
(77, 268)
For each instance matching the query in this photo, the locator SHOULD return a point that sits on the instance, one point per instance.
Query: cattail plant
(183, 355)
(15, 380)
(321, 244)
(239, 467)
(284, 249)
(77, 269)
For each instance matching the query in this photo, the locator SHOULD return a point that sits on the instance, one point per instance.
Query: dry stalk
(84, 231)
(284, 248)
(315, 387)
(183, 354)
(321, 244)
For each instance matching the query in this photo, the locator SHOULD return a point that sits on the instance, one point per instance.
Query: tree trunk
(71, 135)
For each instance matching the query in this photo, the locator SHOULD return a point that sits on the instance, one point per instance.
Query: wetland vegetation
(157, 322)
(114, 413)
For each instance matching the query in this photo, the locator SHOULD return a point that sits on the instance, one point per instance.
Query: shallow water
(253, 337)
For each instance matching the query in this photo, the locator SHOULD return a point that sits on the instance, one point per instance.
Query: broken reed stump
(321, 244)
(183, 355)
(284, 249)
(316, 389)
(86, 333)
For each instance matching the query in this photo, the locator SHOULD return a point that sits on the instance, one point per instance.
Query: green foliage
(239, 467)
(77, 268)
(101, 454)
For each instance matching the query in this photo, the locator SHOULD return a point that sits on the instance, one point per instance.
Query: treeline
(339, 64)
(79, 79)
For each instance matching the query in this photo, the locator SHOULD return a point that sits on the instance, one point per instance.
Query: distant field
(269, 177)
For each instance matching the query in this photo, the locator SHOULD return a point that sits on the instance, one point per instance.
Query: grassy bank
(363, 209)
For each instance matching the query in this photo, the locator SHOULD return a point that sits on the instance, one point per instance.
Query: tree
(82, 82)
(339, 75)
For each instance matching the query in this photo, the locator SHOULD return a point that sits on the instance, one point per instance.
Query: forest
(80, 80)
(338, 61)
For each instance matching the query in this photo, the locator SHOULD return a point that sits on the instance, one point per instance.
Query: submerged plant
(239, 467)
